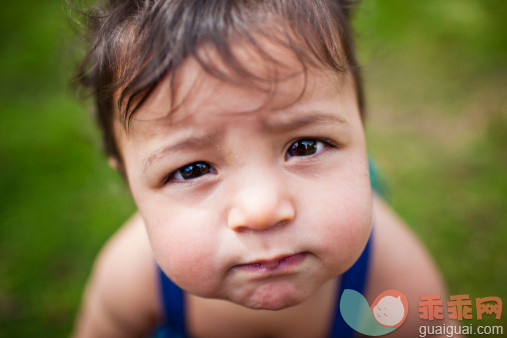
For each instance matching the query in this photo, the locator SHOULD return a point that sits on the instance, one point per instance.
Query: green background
(436, 82)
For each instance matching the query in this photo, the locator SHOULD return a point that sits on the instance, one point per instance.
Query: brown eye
(304, 147)
(192, 171)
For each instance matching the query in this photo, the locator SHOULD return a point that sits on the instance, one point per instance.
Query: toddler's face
(256, 203)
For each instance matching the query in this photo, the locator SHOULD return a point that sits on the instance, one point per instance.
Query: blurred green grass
(436, 79)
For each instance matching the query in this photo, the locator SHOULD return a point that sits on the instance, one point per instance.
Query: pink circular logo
(390, 308)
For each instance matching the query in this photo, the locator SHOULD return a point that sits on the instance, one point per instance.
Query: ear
(113, 163)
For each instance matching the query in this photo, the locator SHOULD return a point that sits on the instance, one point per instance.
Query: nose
(260, 206)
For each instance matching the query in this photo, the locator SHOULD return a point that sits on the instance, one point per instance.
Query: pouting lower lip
(273, 264)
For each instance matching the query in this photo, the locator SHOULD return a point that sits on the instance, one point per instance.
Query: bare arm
(401, 262)
(120, 298)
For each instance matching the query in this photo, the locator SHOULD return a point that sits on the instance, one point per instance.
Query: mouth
(279, 264)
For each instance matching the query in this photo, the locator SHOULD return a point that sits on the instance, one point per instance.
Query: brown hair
(134, 43)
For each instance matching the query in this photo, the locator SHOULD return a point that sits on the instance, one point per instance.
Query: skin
(262, 227)
(258, 203)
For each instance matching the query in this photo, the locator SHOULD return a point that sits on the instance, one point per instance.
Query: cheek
(346, 229)
(182, 243)
(343, 219)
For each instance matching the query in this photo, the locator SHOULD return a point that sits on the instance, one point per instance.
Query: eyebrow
(186, 144)
(271, 125)
(312, 117)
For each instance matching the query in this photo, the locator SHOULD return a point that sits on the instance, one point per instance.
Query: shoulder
(401, 262)
(121, 296)
(399, 257)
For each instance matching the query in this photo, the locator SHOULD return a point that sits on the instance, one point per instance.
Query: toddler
(238, 126)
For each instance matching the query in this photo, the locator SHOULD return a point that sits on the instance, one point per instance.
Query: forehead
(272, 76)
(197, 99)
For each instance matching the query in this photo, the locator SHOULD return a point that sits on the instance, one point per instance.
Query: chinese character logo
(387, 313)
(459, 307)
(431, 307)
(484, 306)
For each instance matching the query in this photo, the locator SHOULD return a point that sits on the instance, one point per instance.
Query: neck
(314, 314)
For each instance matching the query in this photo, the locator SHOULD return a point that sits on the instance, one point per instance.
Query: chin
(272, 304)
(265, 298)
